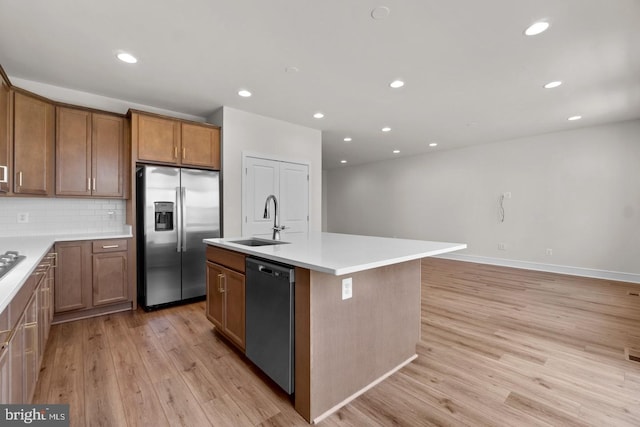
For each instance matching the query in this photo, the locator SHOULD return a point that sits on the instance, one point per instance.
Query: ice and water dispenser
(163, 216)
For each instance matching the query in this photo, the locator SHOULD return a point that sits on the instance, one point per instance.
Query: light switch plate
(347, 288)
(23, 217)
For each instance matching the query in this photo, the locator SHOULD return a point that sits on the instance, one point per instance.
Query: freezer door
(162, 249)
(200, 213)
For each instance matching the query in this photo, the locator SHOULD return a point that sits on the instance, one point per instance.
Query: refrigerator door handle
(183, 215)
(178, 218)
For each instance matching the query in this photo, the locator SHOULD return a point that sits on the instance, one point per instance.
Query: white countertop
(34, 248)
(340, 254)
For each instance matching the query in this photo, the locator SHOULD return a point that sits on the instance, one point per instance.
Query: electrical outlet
(23, 217)
(502, 246)
(549, 251)
(347, 288)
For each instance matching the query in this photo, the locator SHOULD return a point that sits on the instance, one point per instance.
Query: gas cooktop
(8, 260)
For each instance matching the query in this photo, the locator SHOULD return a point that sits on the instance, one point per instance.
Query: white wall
(575, 192)
(251, 133)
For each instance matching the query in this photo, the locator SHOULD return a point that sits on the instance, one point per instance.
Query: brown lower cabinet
(226, 294)
(90, 275)
(24, 326)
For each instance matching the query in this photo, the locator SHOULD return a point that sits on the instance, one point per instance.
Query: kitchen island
(343, 347)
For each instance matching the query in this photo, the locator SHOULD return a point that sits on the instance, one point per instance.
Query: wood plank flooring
(500, 347)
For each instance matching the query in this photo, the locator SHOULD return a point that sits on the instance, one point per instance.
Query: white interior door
(294, 197)
(289, 182)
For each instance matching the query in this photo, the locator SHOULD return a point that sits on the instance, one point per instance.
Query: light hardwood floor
(500, 346)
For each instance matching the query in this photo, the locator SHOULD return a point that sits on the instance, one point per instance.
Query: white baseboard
(551, 268)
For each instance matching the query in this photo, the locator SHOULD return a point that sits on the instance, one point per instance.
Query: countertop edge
(44, 243)
(333, 271)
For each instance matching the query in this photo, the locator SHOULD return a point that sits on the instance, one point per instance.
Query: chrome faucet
(277, 228)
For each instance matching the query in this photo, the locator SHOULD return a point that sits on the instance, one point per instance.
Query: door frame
(276, 158)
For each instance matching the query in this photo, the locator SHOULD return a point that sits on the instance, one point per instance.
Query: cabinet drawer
(113, 245)
(231, 259)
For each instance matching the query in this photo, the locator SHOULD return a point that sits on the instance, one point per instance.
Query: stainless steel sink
(257, 242)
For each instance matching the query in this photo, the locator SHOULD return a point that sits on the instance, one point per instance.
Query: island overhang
(339, 254)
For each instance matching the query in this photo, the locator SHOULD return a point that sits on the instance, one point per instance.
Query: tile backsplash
(47, 216)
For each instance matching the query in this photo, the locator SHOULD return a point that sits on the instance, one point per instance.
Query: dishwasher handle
(265, 270)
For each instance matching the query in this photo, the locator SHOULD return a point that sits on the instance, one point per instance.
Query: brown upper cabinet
(164, 140)
(90, 153)
(5, 134)
(33, 144)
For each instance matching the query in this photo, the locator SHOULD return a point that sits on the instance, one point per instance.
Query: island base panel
(345, 346)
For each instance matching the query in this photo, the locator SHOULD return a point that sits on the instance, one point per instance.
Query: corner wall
(244, 132)
(576, 192)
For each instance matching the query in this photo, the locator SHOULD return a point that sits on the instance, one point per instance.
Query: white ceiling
(471, 75)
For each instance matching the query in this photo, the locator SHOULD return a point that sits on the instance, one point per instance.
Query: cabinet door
(5, 357)
(5, 137)
(73, 152)
(110, 278)
(31, 347)
(5, 375)
(16, 354)
(215, 296)
(73, 276)
(234, 290)
(108, 155)
(158, 139)
(33, 146)
(200, 146)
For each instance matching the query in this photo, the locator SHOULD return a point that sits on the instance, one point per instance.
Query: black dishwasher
(270, 319)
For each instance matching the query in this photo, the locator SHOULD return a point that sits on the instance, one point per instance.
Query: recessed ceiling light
(573, 118)
(244, 93)
(396, 151)
(318, 115)
(348, 139)
(127, 57)
(343, 161)
(291, 69)
(536, 28)
(551, 85)
(386, 129)
(396, 84)
(433, 144)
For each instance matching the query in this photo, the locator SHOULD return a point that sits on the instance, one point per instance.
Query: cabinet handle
(5, 175)
(6, 342)
(53, 256)
(184, 153)
(88, 184)
(20, 179)
(220, 278)
(110, 246)
(175, 151)
(94, 185)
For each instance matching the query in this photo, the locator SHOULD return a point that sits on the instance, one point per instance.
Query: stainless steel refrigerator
(176, 209)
